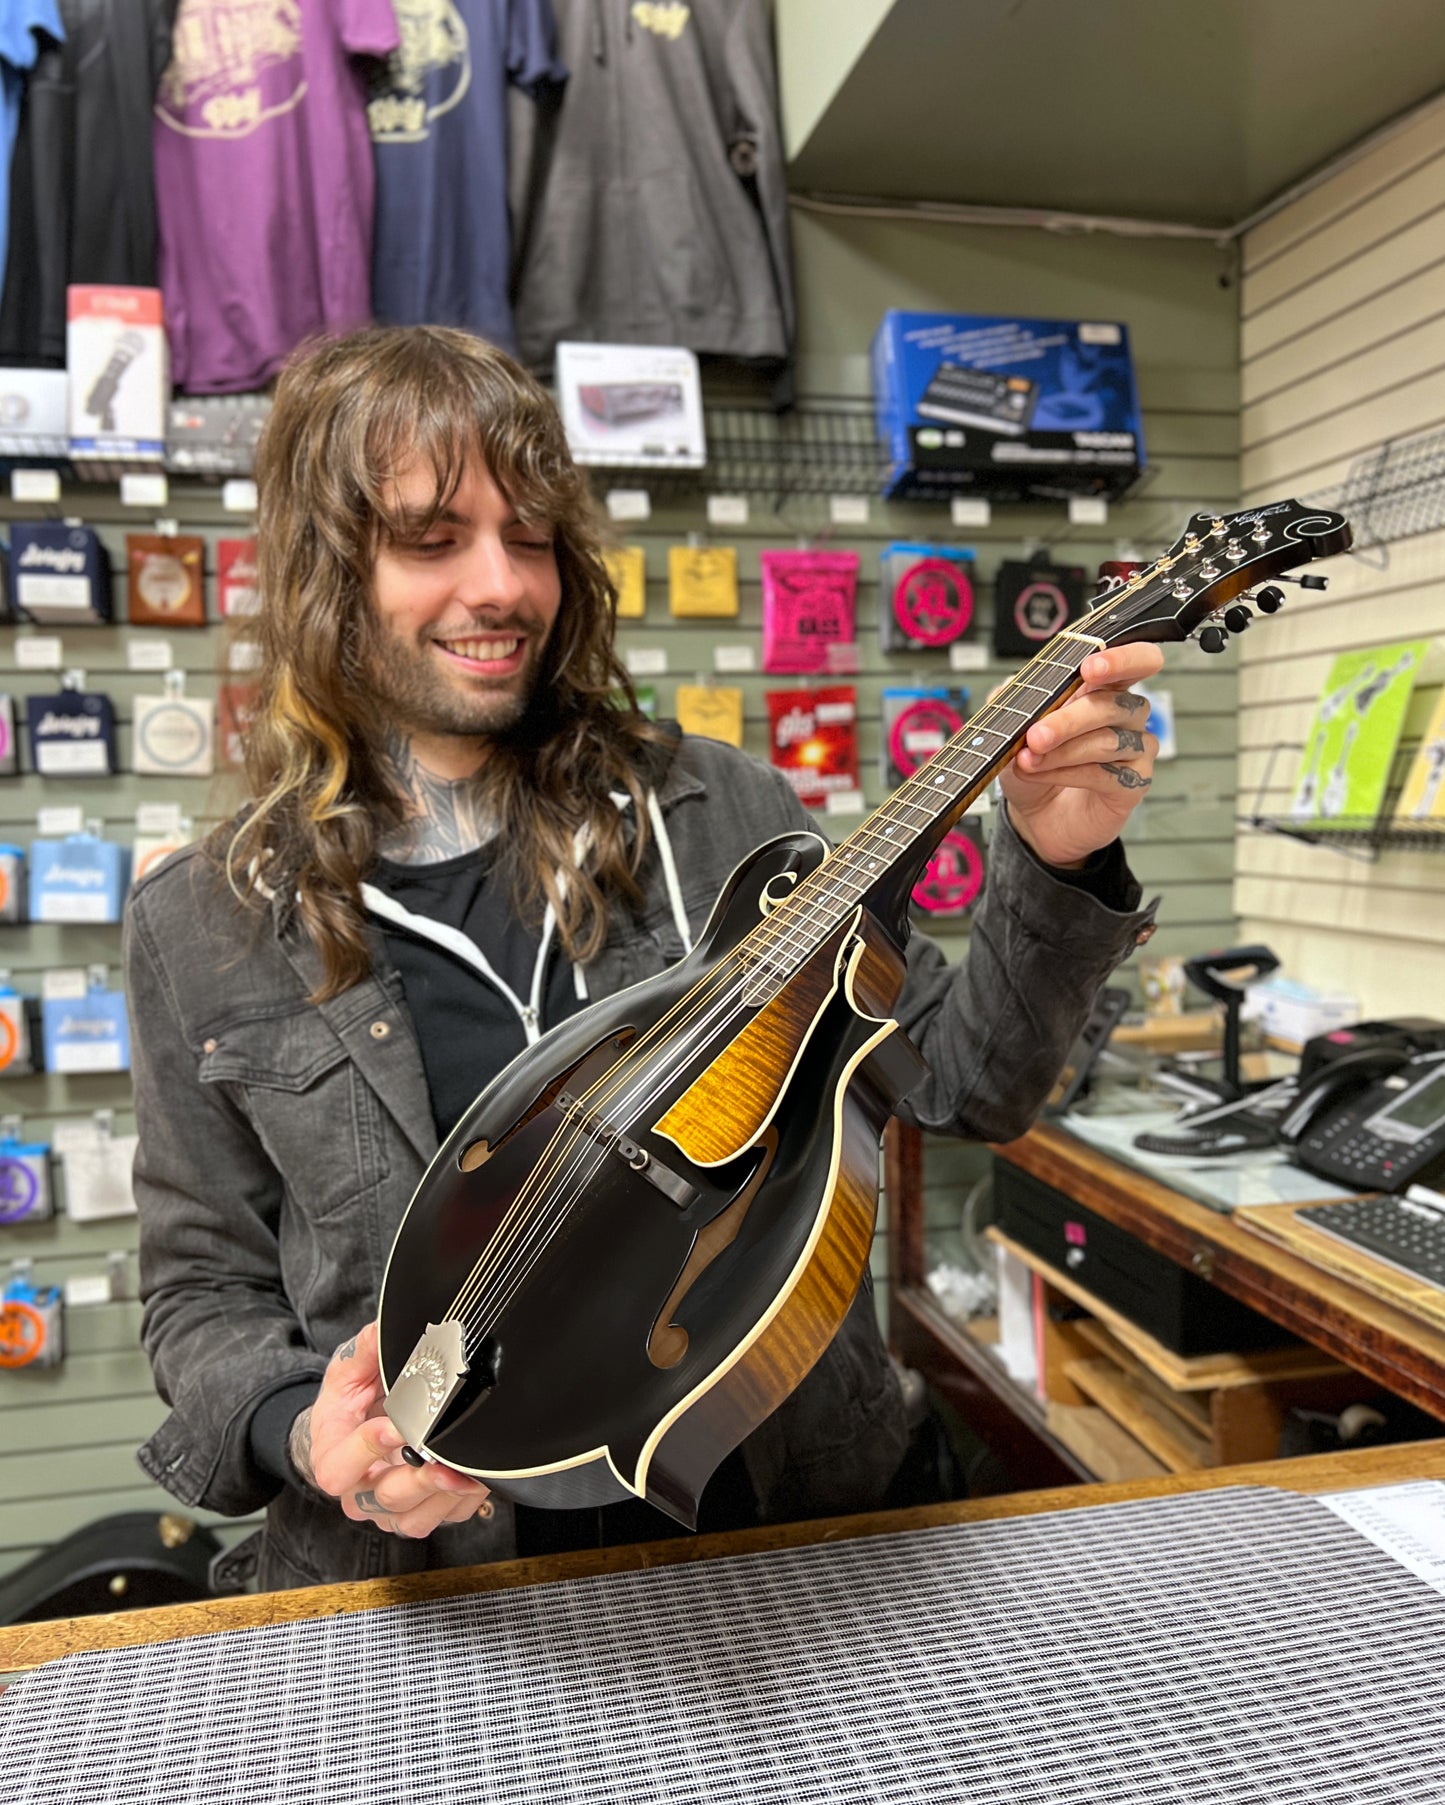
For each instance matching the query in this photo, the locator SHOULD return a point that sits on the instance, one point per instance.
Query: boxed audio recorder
(1015, 409)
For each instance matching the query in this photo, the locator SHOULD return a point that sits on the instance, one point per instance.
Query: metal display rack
(1360, 837)
(821, 447)
(1395, 492)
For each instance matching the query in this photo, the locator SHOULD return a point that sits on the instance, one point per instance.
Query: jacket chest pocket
(314, 1114)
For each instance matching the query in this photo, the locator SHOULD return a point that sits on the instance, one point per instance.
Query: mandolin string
(516, 1239)
(824, 879)
(524, 1230)
(519, 1229)
(516, 1229)
(781, 928)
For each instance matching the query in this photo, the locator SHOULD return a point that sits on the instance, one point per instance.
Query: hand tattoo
(1127, 777)
(371, 1504)
(298, 1447)
(444, 817)
(1129, 739)
(348, 1349)
(1131, 704)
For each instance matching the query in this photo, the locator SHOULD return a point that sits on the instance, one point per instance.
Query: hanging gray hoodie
(648, 196)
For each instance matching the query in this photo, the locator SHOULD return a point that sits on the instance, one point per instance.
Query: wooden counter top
(28, 1645)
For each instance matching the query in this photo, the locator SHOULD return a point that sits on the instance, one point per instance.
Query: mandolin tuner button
(1314, 582)
(1270, 599)
(412, 1458)
(1237, 618)
(1213, 639)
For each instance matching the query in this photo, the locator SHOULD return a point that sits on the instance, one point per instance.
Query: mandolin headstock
(1206, 574)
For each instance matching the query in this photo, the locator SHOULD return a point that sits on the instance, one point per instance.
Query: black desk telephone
(1370, 1112)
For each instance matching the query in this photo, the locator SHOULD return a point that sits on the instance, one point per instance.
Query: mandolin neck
(884, 856)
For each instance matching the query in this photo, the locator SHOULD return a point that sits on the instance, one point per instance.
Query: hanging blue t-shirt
(441, 250)
(20, 23)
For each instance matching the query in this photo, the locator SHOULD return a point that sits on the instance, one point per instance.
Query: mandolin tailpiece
(428, 1382)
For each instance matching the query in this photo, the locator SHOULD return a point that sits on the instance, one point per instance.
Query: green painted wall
(818, 42)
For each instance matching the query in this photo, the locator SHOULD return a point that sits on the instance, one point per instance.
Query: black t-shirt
(82, 192)
(467, 1027)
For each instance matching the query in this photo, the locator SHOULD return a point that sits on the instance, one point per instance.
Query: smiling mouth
(481, 651)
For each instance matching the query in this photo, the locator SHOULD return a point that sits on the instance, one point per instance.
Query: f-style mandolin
(648, 1228)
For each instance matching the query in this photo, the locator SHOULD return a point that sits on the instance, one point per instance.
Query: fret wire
(794, 925)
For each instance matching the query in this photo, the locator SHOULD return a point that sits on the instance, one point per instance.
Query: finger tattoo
(1129, 739)
(347, 1350)
(1131, 704)
(370, 1504)
(1127, 777)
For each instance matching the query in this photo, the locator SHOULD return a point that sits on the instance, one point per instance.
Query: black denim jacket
(280, 1142)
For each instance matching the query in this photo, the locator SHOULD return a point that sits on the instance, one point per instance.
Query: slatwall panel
(1343, 347)
(1182, 309)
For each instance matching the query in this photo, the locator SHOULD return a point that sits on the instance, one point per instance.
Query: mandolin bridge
(605, 1134)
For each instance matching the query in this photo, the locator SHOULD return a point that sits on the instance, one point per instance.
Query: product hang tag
(238, 496)
(144, 489)
(727, 510)
(35, 485)
(158, 818)
(56, 821)
(965, 656)
(148, 655)
(38, 652)
(629, 504)
(970, 510)
(63, 984)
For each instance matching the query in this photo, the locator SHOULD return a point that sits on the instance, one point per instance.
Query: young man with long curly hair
(460, 829)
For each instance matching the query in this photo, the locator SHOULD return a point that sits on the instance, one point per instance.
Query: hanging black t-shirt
(82, 195)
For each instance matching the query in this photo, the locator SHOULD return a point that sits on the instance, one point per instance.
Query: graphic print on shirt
(667, 18)
(425, 76)
(236, 64)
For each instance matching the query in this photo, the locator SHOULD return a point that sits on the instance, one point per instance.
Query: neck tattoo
(445, 817)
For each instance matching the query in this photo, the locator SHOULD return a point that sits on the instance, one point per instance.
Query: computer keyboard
(1404, 1233)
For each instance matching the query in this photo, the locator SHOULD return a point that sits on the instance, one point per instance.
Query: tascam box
(1016, 409)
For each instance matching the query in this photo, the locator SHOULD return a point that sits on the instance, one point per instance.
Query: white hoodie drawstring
(465, 948)
(669, 870)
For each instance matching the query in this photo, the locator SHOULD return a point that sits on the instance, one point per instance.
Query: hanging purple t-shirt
(439, 123)
(264, 181)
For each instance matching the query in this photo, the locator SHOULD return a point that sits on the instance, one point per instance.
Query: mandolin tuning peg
(1270, 599)
(1213, 639)
(1314, 582)
(1237, 618)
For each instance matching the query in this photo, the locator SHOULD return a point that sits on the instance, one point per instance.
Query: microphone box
(1015, 409)
(119, 369)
